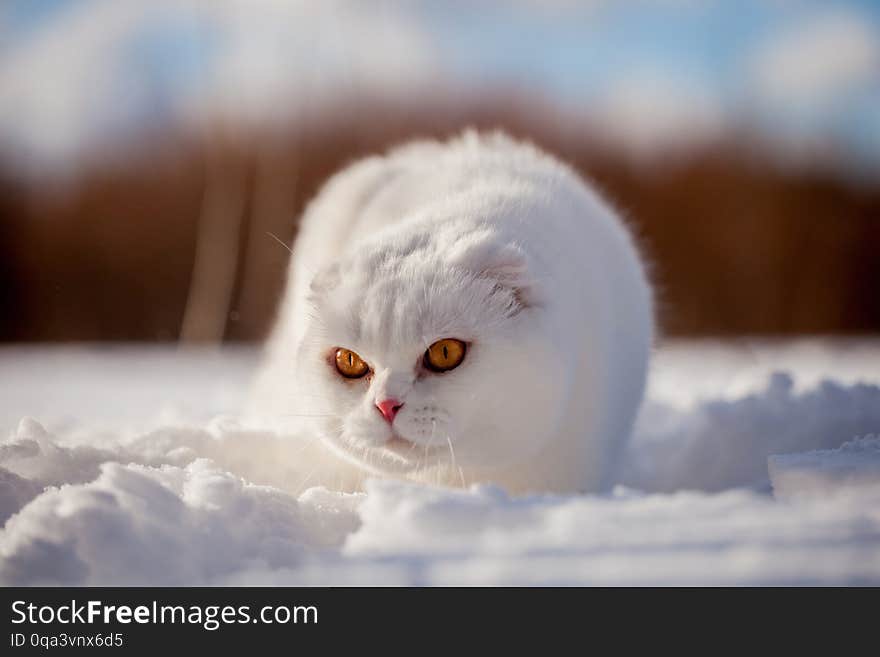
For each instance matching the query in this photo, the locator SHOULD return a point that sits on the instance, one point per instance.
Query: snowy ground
(752, 463)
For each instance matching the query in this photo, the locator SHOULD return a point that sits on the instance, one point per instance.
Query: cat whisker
(308, 415)
(301, 486)
(414, 444)
(278, 239)
(428, 445)
(455, 463)
(308, 442)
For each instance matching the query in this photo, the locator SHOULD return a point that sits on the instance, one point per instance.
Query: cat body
(491, 248)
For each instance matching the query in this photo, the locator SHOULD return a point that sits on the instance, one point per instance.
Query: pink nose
(388, 408)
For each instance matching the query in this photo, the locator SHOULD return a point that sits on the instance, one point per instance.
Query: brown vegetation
(738, 245)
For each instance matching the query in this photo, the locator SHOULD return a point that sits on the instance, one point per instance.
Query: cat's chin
(397, 455)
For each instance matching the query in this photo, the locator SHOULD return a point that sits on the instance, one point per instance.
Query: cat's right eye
(350, 365)
(445, 355)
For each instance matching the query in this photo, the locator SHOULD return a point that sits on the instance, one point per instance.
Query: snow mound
(718, 444)
(481, 536)
(91, 498)
(853, 468)
(166, 526)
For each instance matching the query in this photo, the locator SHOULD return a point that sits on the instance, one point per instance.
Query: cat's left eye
(350, 365)
(445, 355)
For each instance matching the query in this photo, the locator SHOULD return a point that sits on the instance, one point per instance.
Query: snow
(720, 444)
(853, 468)
(752, 463)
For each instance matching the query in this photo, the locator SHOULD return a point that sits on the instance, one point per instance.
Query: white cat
(462, 312)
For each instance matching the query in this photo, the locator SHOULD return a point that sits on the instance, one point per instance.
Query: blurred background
(155, 155)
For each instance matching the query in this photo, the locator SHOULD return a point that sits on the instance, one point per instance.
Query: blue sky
(575, 54)
(582, 47)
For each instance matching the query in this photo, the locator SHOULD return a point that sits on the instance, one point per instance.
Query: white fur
(485, 240)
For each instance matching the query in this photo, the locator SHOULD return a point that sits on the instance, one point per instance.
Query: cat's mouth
(410, 450)
(399, 442)
(395, 455)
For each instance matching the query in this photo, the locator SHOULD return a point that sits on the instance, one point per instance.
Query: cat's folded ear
(505, 264)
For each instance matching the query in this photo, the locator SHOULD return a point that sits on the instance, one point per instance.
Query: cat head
(424, 352)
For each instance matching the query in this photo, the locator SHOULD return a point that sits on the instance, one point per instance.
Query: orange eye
(445, 355)
(350, 365)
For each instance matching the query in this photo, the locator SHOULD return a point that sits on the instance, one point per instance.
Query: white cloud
(90, 75)
(281, 58)
(814, 61)
(103, 69)
(65, 84)
(651, 114)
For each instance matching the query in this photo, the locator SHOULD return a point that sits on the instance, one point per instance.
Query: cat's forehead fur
(406, 294)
